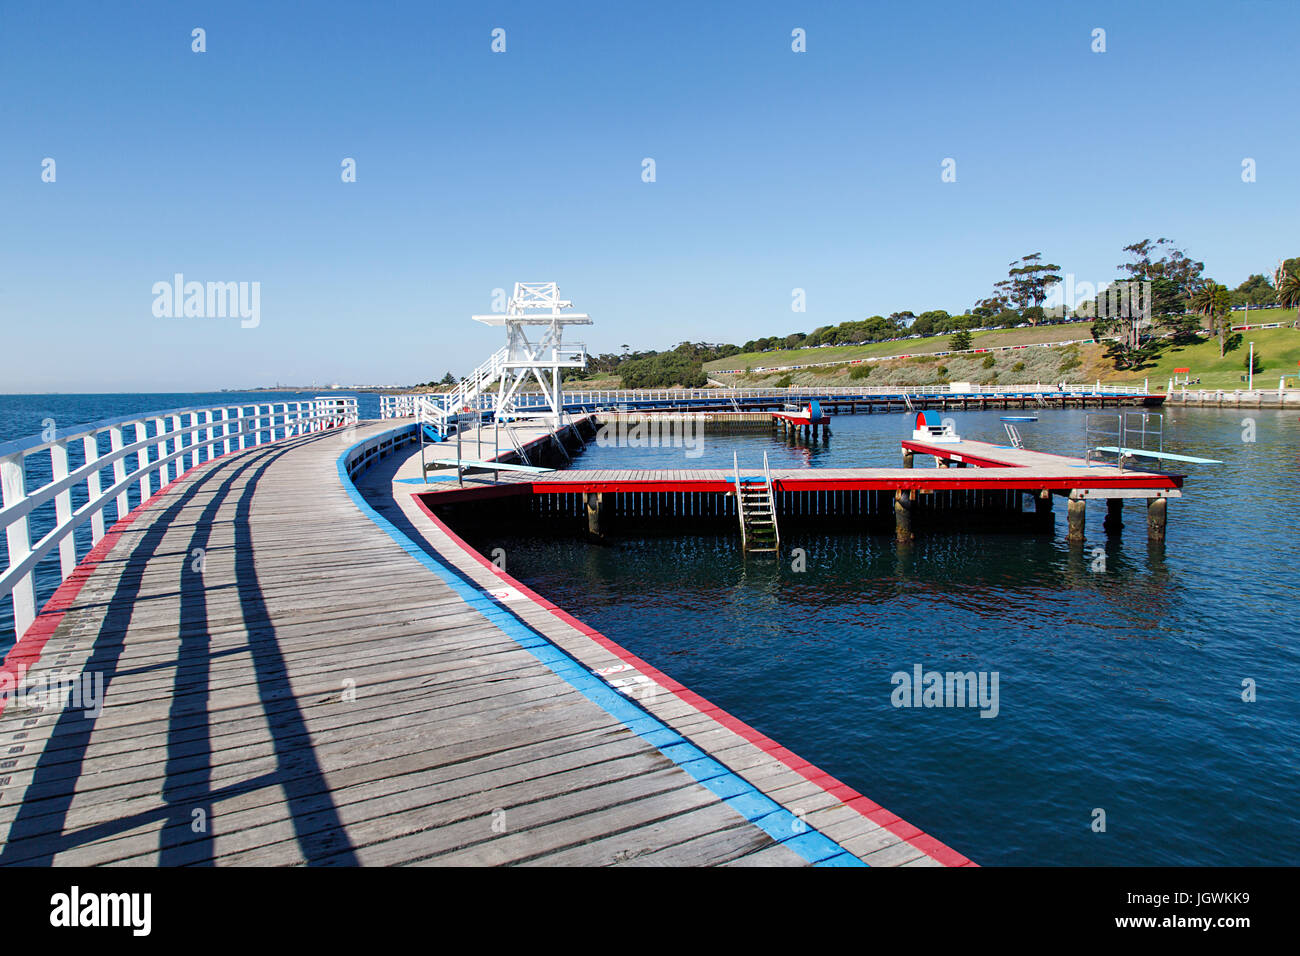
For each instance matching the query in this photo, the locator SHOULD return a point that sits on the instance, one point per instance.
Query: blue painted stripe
(737, 792)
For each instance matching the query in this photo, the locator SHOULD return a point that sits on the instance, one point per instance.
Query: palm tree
(1215, 302)
(1287, 282)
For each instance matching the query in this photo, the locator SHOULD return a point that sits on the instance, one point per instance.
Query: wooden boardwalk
(286, 682)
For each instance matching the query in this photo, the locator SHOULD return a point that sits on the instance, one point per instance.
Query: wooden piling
(595, 502)
(1076, 513)
(903, 515)
(1157, 517)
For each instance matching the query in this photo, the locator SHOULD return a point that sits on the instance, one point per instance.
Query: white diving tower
(499, 386)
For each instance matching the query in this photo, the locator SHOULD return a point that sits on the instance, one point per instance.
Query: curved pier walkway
(293, 674)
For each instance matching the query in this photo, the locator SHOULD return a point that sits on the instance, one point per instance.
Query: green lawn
(1046, 334)
(1278, 351)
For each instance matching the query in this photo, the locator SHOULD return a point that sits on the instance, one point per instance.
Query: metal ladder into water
(756, 508)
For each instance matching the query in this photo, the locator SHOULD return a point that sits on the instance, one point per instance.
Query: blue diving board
(472, 464)
(1143, 453)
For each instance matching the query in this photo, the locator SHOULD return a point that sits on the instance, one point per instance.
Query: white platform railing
(145, 451)
(398, 406)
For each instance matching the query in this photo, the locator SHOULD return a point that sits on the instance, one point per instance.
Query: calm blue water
(22, 416)
(1119, 689)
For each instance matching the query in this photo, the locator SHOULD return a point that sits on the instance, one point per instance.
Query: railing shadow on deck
(38, 833)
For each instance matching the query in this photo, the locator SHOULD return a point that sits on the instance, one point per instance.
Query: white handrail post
(239, 430)
(187, 437)
(206, 444)
(63, 508)
(18, 541)
(160, 433)
(90, 444)
(119, 471)
(178, 428)
(142, 461)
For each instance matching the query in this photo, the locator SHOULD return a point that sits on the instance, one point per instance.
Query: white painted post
(119, 471)
(160, 431)
(225, 432)
(201, 438)
(63, 508)
(90, 444)
(18, 541)
(178, 445)
(239, 419)
(142, 462)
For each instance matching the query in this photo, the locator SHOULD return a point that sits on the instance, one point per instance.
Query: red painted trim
(27, 649)
(799, 419)
(850, 797)
(928, 481)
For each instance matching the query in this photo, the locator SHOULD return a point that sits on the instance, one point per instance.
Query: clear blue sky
(775, 170)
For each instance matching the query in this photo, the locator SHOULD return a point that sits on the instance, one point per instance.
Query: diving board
(473, 464)
(1169, 456)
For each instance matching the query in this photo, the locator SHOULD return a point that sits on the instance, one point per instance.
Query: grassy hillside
(936, 343)
(1277, 351)
(1076, 363)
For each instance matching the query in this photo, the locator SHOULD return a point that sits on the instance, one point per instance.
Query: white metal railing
(1143, 431)
(393, 406)
(158, 445)
(397, 406)
(436, 405)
